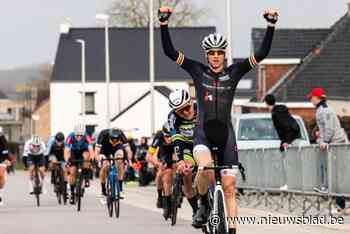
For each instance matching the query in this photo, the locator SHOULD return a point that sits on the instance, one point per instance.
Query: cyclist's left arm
(264, 49)
(129, 153)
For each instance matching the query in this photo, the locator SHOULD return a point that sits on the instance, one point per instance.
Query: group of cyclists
(186, 139)
(67, 152)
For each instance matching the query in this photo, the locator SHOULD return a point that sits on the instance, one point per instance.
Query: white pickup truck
(256, 130)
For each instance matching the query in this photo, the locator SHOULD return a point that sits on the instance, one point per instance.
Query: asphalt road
(20, 215)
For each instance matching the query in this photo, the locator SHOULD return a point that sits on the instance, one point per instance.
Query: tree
(134, 13)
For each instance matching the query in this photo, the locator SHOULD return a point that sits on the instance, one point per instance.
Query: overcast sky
(29, 28)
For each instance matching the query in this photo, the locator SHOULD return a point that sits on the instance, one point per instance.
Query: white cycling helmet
(214, 41)
(35, 140)
(179, 98)
(35, 144)
(79, 129)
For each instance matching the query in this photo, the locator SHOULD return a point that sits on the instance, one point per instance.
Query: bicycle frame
(112, 175)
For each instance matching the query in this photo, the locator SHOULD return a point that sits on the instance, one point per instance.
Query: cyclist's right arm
(25, 154)
(177, 56)
(151, 156)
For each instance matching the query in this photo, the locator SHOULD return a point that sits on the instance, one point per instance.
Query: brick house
(301, 59)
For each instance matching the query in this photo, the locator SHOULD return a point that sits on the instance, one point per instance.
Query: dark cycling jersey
(54, 149)
(4, 153)
(165, 151)
(182, 134)
(107, 149)
(215, 93)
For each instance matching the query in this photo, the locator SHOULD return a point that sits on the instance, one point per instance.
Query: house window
(90, 103)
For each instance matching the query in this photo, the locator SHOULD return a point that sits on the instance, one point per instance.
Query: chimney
(65, 27)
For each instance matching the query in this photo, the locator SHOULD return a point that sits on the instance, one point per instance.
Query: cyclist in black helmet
(161, 154)
(112, 143)
(55, 152)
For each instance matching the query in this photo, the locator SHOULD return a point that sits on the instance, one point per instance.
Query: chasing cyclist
(161, 154)
(34, 154)
(215, 86)
(78, 149)
(112, 143)
(182, 120)
(5, 162)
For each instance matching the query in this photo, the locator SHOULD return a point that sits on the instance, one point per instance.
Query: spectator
(330, 131)
(287, 129)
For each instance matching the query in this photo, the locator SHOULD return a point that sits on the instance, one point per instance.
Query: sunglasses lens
(219, 52)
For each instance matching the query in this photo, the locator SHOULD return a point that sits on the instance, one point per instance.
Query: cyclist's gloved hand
(164, 14)
(271, 16)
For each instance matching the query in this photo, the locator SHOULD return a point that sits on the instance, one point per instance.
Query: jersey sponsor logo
(224, 78)
(187, 132)
(208, 97)
(217, 87)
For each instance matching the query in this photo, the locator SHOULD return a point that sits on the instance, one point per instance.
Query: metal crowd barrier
(306, 167)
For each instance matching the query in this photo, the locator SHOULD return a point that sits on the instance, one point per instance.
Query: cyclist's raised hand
(164, 14)
(271, 16)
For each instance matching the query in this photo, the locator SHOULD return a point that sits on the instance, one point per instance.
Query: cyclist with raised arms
(215, 87)
(182, 120)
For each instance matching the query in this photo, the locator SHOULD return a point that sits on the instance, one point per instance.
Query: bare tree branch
(134, 13)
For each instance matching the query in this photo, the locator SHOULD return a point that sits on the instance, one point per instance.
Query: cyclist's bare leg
(42, 172)
(167, 177)
(52, 166)
(204, 178)
(2, 176)
(189, 193)
(228, 185)
(72, 175)
(71, 181)
(207, 177)
(121, 167)
(103, 176)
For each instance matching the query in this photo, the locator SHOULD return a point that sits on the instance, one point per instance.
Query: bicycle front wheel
(37, 187)
(218, 218)
(79, 192)
(109, 200)
(175, 199)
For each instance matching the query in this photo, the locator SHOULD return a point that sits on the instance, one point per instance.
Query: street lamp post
(151, 63)
(105, 18)
(229, 31)
(83, 76)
